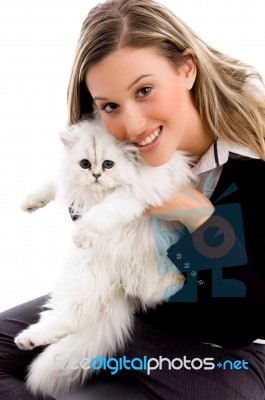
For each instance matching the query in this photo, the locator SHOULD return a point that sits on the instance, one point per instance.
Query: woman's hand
(187, 205)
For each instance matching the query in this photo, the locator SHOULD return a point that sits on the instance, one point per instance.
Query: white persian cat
(114, 268)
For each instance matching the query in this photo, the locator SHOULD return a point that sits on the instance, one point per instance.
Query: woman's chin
(155, 160)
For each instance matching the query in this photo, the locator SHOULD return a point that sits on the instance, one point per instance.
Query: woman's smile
(144, 100)
(149, 141)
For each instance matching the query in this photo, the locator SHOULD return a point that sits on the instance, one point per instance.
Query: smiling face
(144, 100)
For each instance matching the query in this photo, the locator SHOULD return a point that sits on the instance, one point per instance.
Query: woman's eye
(110, 107)
(86, 164)
(144, 91)
(107, 164)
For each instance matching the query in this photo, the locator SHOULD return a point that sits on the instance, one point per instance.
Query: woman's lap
(165, 383)
(13, 361)
(220, 383)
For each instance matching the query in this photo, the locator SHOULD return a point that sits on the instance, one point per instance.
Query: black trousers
(175, 383)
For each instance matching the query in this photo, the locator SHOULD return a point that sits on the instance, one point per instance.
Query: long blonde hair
(225, 93)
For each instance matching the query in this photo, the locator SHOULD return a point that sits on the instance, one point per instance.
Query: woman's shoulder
(245, 169)
(242, 178)
(237, 156)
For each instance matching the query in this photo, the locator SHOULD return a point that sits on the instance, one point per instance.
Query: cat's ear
(67, 138)
(131, 152)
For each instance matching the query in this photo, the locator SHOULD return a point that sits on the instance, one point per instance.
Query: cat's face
(95, 161)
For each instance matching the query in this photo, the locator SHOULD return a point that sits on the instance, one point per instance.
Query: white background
(37, 44)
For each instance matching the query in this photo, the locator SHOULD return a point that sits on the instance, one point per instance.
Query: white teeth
(150, 138)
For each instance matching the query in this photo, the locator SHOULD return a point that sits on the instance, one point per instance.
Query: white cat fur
(113, 269)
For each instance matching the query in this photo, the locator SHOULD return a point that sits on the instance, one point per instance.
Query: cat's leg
(50, 328)
(120, 207)
(162, 279)
(40, 198)
(74, 303)
(65, 317)
(66, 364)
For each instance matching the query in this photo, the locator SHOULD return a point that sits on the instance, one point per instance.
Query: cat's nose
(96, 175)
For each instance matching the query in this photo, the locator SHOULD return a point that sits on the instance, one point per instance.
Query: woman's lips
(154, 139)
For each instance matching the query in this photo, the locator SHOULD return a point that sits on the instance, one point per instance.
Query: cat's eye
(107, 164)
(86, 164)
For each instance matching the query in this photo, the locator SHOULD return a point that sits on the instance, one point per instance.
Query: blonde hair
(226, 94)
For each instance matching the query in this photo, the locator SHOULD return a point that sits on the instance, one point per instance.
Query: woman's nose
(134, 121)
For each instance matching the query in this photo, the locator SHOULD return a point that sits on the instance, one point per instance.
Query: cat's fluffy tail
(65, 365)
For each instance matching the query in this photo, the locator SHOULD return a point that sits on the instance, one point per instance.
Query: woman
(159, 86)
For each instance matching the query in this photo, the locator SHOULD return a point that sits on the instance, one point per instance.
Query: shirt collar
(218, 154)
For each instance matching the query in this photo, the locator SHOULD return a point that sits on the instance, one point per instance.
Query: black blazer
(223, 299)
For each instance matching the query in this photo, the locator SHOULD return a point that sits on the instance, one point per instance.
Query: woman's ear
(188, 70)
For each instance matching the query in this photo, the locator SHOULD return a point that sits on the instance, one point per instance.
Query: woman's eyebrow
(99, 98)
(129, 87)
(138, 79)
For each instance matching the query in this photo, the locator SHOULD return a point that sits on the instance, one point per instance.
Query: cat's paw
(39, 199)
(32, 204)
(25, 341)
(82, 237)
(38, 336)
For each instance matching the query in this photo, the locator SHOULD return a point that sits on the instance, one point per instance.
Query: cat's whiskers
(116, 181)
(80, 187)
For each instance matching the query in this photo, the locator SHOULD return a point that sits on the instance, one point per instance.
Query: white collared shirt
(210, 166)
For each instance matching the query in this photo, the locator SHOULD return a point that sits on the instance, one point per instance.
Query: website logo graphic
(147, 364)
(219, 243)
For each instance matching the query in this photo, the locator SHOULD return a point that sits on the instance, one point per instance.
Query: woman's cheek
(113, 127)
(163, 110)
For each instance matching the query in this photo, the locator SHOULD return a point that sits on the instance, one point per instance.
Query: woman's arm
(187, 205)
